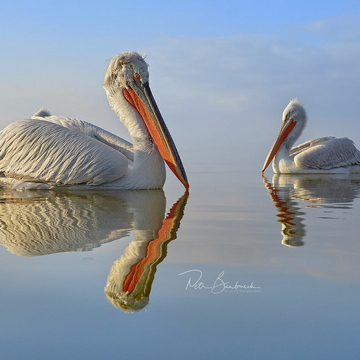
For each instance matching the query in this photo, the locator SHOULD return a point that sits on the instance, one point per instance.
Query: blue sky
(227, 70)
(150, 19)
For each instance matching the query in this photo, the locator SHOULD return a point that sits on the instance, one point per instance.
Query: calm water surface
(262, 268)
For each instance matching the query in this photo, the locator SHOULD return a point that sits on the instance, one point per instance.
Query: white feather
(328, 154)
(54, 151)
(62, 157)
(88, 129)
(322, 155)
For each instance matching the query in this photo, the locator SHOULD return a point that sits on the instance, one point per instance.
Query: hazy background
(221, 73)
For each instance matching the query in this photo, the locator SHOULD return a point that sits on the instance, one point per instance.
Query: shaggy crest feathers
(122, 67)
(294, 110)
(43, 112)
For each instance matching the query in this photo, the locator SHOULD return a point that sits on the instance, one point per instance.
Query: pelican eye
(137, 76)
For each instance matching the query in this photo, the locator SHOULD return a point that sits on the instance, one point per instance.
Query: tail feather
(43, 112)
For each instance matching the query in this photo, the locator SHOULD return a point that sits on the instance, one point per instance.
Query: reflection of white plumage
(294, 194)
(34, 223)
(323, 155)
(130, 280)
(51, 151)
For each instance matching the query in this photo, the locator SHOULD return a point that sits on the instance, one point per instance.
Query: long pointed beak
(140, 96)
(284, 131)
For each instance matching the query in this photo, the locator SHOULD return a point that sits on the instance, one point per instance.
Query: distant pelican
(323, 155)
(55, 151)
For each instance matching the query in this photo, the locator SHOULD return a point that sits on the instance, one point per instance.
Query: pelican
(55, 151)
(322, 155)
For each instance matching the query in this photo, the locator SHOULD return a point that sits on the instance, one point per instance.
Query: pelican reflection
(39, 223)
(335, 191)
(131, 276)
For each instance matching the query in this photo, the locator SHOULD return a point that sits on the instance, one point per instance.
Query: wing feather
(46, 152)
(327, 154)
(298, 149)
(88, 129)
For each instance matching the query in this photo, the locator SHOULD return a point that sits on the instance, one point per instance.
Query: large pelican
(322, 155)
(54, 151)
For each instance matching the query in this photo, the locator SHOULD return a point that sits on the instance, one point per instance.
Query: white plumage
(322, 155)
(90, 130)
(55, 151)
(64, 156)
(37, 223)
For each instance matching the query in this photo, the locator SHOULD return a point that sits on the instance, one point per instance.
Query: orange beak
(140, 96)
(284, 131)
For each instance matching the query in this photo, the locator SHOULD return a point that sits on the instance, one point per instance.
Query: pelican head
(127, 82)
(293, 123)
(122, 68)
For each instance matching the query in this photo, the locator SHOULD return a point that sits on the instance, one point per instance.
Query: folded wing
(326, 153)
(42, 151)
(88, 129)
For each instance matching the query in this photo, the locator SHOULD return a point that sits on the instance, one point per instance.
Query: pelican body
(322, 155)
(55, 151)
